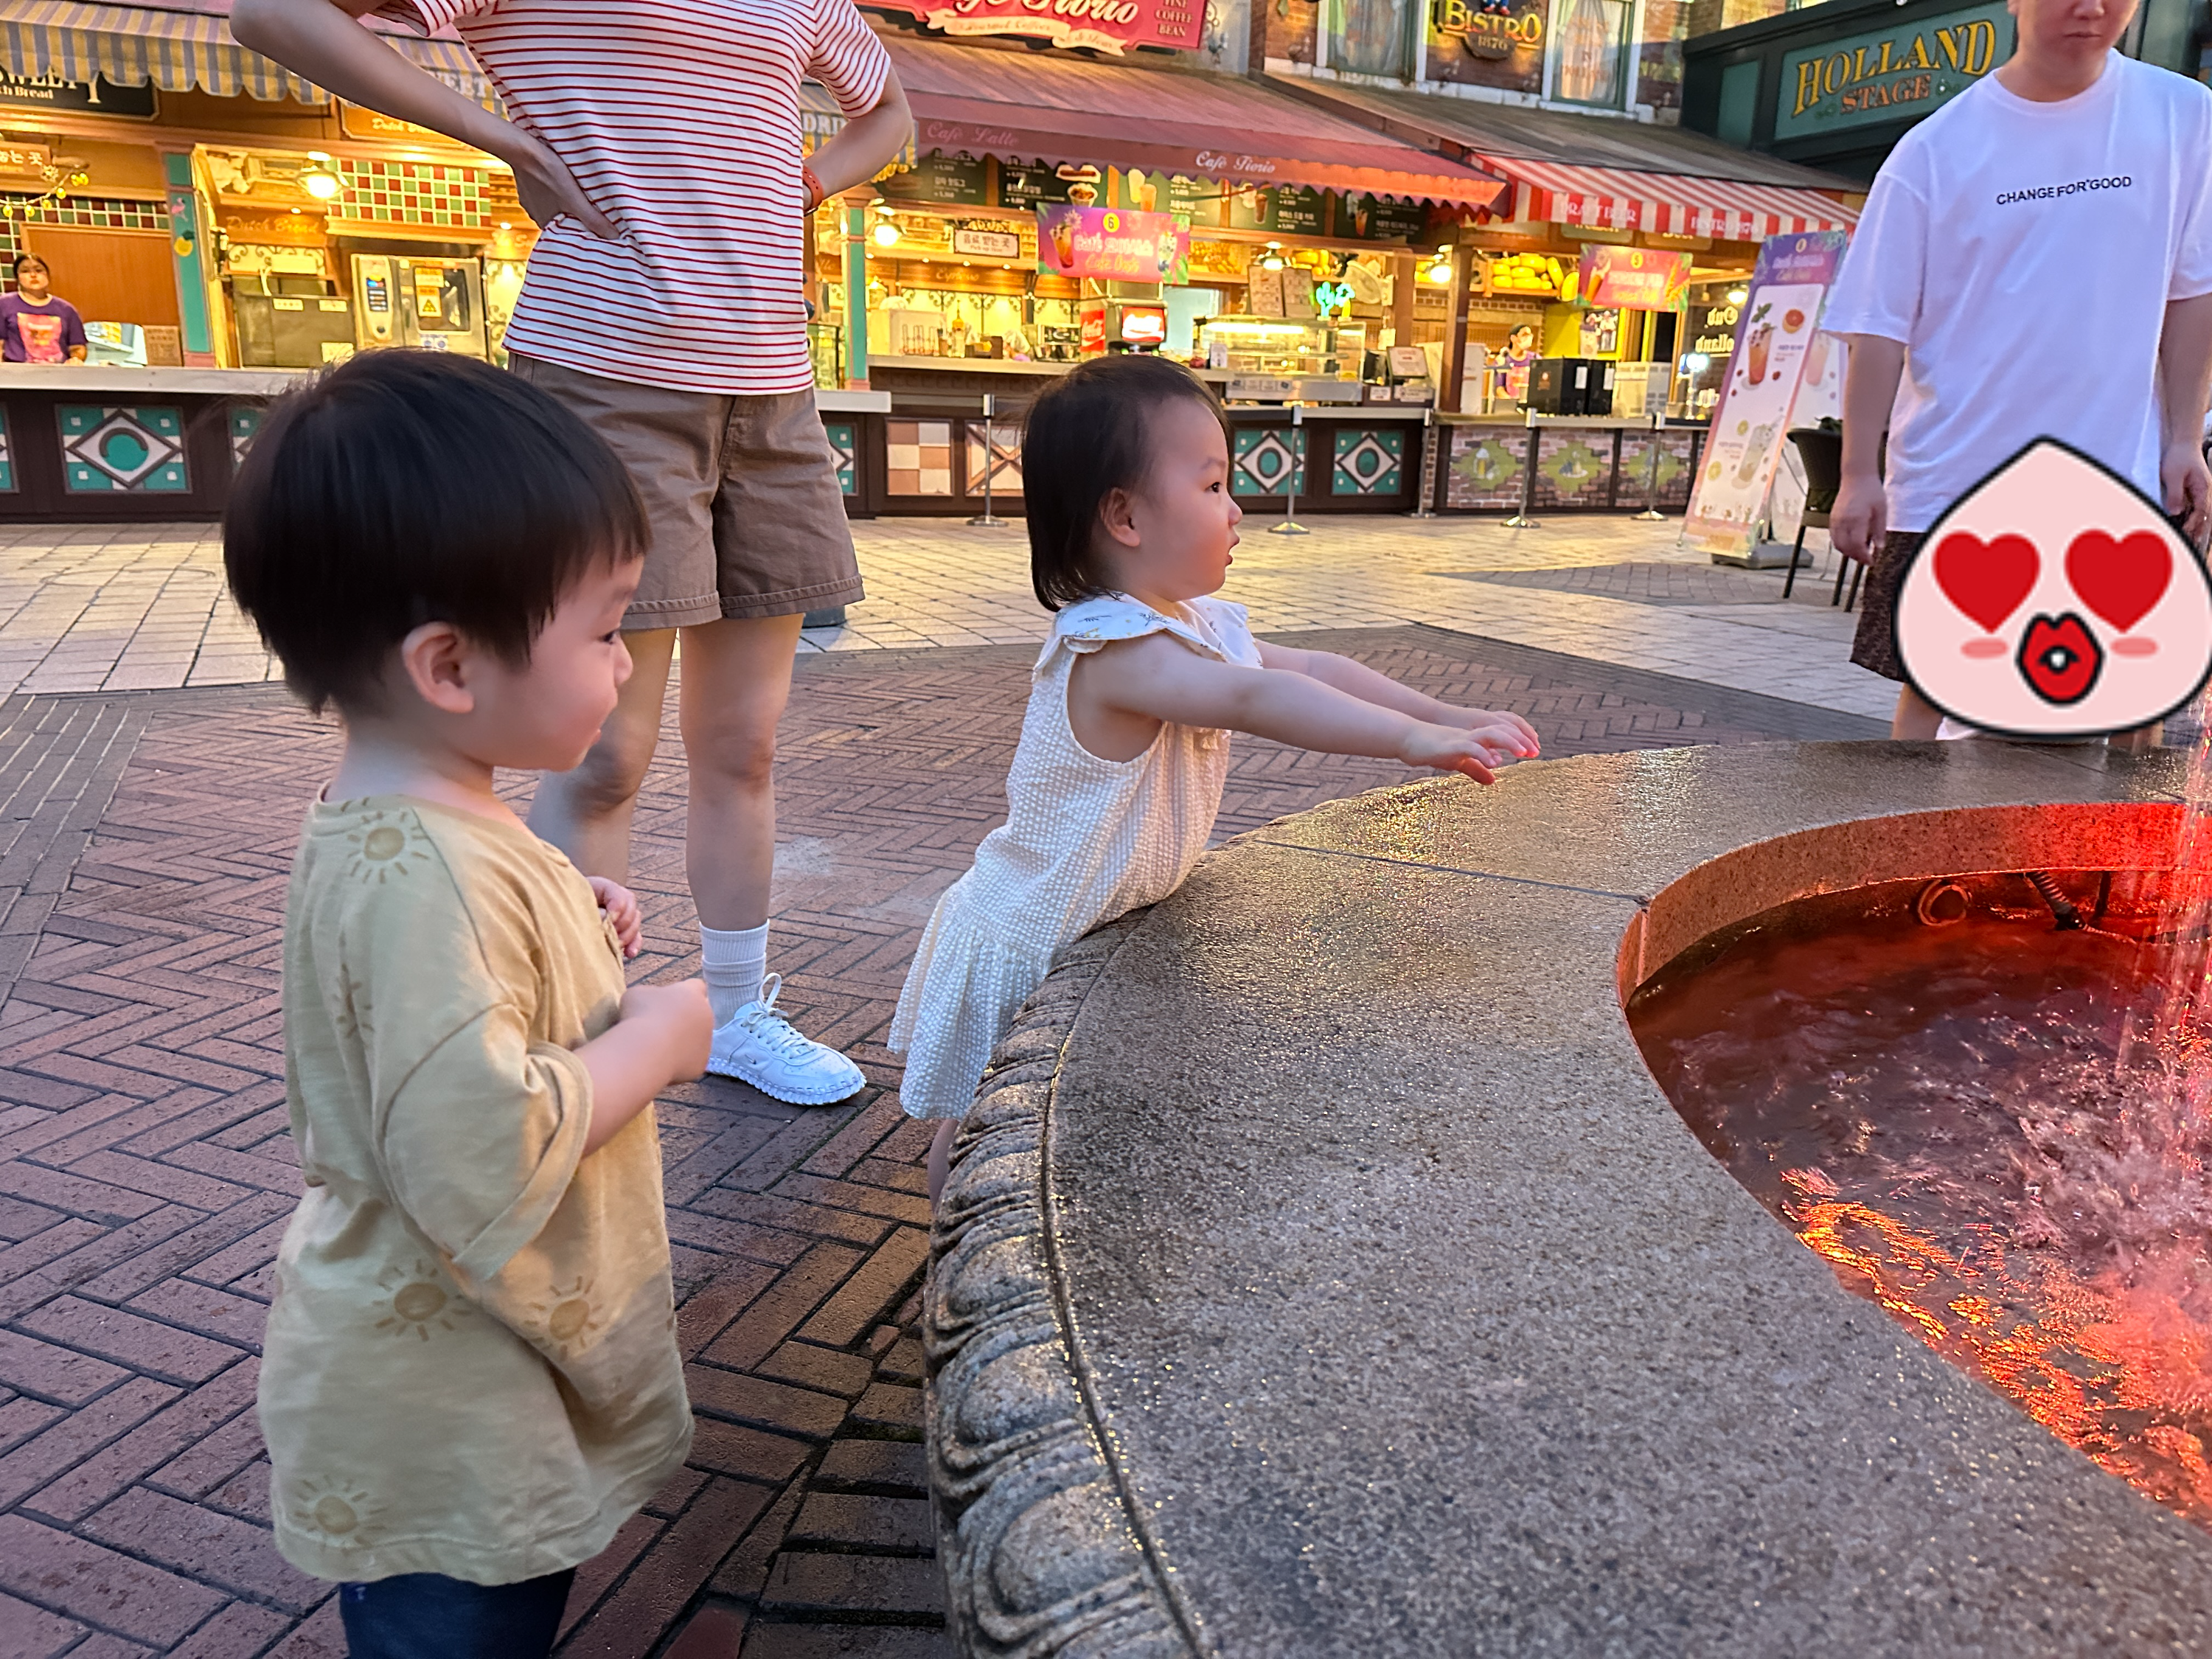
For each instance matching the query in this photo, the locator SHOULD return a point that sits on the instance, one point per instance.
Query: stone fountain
(1323, 1273)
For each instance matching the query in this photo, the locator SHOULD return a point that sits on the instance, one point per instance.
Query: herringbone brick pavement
(146, 1170)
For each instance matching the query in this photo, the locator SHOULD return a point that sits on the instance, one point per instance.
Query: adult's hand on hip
(1859, 519)
(2187, 482)
(549, 190)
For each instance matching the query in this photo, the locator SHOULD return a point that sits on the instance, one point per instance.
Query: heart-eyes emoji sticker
(2054, 599)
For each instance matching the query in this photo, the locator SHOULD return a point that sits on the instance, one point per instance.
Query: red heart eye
(2120, 579)
(1987, 581)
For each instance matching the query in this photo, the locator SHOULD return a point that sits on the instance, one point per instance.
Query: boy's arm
(1358, 680)
(1157, 678)
(2184, 372)
(324, 41)
(663, 1036)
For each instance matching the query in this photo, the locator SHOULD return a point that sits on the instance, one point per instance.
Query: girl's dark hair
(1086, 437)
(28, 258)
(406, 487)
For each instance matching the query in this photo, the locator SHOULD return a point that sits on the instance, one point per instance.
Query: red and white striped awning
(1670, 204)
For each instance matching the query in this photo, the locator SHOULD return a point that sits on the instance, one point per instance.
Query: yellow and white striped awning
(178, 50)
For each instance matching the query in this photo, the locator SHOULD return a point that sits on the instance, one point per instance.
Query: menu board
(1300, 212)
(1200, 200)
(1263, 292)
(1381, 219)
(1297, 292)
(954, 180)
(1251, 207)
(1632, 279)
(1029, 183)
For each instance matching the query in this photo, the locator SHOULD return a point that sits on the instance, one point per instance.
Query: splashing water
(1996, 1131)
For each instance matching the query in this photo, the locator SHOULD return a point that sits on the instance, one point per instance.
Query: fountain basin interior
(1324, 1272)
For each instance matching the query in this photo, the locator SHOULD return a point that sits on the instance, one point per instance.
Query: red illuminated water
(1945, 1115)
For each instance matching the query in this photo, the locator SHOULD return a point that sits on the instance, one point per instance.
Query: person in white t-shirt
(2073, 186)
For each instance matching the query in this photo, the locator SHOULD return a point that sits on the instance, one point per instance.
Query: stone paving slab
(146, 1169)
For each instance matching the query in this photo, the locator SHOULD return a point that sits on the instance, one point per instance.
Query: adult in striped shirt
(657, 143)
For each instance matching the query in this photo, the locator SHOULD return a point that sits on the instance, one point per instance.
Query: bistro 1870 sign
(1110, 26)
(1894, 75)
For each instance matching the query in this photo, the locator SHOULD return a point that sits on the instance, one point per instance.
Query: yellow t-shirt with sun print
(471, 1366)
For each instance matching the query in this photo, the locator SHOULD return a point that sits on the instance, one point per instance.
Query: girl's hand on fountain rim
(1502, 730)
(1447, 748)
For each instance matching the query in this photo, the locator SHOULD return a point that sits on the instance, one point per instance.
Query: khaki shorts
(741, 492)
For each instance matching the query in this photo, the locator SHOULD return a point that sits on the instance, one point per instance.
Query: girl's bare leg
(940, 1157)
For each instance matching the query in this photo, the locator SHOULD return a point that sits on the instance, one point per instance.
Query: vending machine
(437, 304)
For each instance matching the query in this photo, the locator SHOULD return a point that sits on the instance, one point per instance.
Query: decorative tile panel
(1677, 460)
(920, 456)
(1266, 461)
(1574, 469)
(1369, 461)
(1485, 467)
(413, 193)
(126, 450)
(845, 444)
(245, 426)
(1005, 458)
(88, 213)
(7, 456)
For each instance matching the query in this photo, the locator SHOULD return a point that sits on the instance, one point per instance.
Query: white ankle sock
(734, 962)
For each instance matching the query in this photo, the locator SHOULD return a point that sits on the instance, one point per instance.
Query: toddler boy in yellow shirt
(470, 1376)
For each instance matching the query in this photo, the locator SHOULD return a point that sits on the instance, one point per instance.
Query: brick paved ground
(146, 1172)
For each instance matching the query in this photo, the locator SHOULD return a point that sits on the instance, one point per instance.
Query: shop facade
(1836, 86)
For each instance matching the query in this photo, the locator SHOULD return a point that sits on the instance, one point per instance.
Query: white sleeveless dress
(1085, 840)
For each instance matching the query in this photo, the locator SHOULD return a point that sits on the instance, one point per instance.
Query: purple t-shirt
(38, 334)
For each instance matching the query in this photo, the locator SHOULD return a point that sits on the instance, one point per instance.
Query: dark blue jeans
(427, 1615)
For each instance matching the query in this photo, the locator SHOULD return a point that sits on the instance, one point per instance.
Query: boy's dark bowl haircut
(1086, 437)
(406, 487)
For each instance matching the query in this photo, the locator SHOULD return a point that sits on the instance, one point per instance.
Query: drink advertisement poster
(1112, 244)
(1631, 278)
(1778, 344)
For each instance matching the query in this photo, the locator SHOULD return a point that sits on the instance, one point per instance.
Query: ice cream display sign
(1112, 244)
(1779, 345)
(2055, 601)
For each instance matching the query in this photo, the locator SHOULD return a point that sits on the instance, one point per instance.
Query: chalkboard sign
(1301, 212)
(1025, 185)
(953, 180)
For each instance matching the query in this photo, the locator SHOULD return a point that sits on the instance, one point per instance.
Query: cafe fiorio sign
(1110, 26)
(1892, 75)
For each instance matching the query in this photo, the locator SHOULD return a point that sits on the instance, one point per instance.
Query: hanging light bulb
(887, 234)
(1273, 261)
(1736, 296)
(1440, 272)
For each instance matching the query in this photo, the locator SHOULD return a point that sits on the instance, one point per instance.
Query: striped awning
(1668, 204)
(178, 50)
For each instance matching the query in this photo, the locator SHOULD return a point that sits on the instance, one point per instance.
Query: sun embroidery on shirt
(570, 1318)
(386, 845)
(338, 1511)
(350, 1015)
(420, 1304)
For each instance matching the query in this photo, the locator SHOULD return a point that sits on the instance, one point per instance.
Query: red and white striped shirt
(679, 118)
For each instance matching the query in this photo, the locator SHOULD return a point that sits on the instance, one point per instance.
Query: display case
(1278, 346)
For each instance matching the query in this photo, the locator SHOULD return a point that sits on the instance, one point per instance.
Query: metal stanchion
(1520, 521)
(1424, 504)
(1289, 525)
(990, 465)
(1651, 514)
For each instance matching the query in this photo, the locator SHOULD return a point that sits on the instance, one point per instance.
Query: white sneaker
(758, 1046)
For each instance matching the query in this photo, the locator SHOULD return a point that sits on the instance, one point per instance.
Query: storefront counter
(88, 443)
(1579, 464)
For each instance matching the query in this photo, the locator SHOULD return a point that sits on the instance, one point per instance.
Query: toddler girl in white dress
(1124, 748)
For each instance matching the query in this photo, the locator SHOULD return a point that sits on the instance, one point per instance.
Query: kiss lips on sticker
(2060, 658)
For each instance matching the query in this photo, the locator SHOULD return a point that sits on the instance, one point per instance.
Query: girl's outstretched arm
(1155, 679)
(1498, 728)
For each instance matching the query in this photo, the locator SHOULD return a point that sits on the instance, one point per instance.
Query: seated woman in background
(36, 327)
